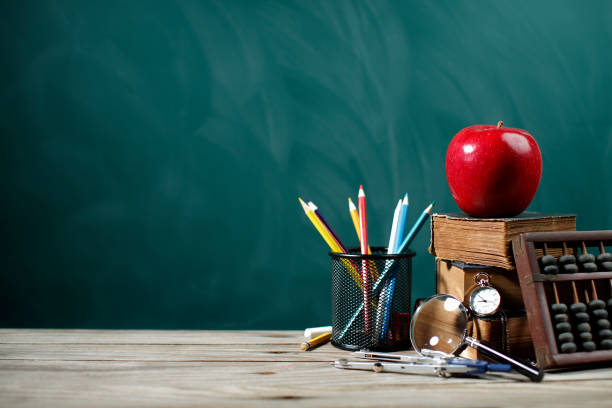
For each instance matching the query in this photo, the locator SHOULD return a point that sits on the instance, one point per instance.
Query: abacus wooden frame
(535, 299)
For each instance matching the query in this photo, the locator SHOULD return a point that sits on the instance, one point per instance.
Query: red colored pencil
(363, 224)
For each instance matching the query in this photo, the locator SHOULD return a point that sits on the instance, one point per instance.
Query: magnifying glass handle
(534, 374)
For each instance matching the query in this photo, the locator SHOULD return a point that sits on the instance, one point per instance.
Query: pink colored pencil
(363, 224)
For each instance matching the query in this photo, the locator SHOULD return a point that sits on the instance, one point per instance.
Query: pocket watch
(484, 299)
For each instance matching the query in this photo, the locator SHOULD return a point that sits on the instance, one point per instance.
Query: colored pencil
(416, 227)
(386, 301)
(317, 341)
(390, 247)
(393, 235)
(333, 245)
(317, 224)
(355, 217)
(401, 223)
(365, 276)
(331, 231)
(411, 235)
(315, 209)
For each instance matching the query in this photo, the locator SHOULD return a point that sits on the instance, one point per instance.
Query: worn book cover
(487, 241)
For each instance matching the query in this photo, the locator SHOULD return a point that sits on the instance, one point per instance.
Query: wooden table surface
(91, 368)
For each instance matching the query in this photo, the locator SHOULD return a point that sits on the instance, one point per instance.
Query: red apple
(493, 171)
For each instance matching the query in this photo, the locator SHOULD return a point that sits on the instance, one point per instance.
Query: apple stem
(500, 124)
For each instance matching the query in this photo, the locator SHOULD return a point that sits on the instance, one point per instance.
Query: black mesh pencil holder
(371, 300)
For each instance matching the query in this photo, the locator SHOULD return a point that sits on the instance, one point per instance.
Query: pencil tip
(361, 192)
(405, 199)
(304, 206)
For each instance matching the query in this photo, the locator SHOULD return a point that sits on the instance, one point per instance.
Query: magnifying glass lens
(439, 325)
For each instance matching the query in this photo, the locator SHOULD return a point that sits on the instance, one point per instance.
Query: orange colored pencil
(355, 218)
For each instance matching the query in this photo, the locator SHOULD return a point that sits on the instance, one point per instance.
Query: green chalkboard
(153, 151)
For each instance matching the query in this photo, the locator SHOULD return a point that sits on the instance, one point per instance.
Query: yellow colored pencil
(317, 341)
(326, 226)
(319, 226)
(330, 241)
(354, 216)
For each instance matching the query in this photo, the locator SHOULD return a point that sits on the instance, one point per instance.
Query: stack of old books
(465, 246)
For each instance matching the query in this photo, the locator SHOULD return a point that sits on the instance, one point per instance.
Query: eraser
(313, 332)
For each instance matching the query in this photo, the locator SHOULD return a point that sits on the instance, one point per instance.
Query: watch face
(485, 301)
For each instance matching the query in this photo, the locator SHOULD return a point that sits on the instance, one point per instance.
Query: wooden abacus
(565, 277)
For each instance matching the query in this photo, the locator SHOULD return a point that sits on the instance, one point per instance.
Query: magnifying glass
(439, 327)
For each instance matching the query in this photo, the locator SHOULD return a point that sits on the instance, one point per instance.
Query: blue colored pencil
(390, 249)
(416, 227)
(401, 227)
(389, 288)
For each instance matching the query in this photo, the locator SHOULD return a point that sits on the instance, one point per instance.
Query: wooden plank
(68, 368)
(49, 384)
(167, 352)
(41, 336)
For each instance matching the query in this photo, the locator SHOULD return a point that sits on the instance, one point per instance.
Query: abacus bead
(605, 344)
(583, 327)
(600, 313)
(567, 259)
(561, 317)
(570, 268)
(565, 337)
(568, 347)
(605, 257)
(578, 307)
(551, 269)
(589, 267)
(606, 266)
(564, 327)
(585, 336)
(597, 304)
(605, 334)
(581, 317)
(584, 258)
(603, 323)
(562, 307)
(589, 346)
(550, 260)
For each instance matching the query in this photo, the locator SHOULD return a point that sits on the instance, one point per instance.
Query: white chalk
(313, 332)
